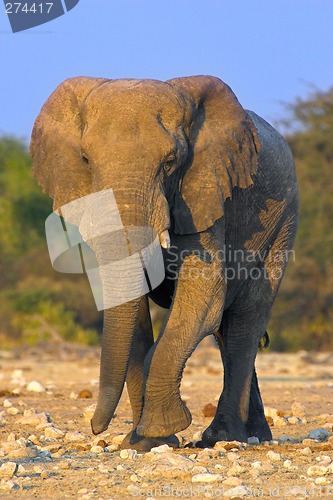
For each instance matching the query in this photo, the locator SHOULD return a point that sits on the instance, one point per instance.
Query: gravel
(47, 449)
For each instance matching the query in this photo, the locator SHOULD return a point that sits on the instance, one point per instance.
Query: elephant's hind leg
(256, 424)
(243, 325)
(240, 412)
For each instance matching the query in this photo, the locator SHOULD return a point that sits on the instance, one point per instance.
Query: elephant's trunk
(119, 231)
(119, 325)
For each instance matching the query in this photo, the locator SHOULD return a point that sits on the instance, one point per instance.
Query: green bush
(52, 322)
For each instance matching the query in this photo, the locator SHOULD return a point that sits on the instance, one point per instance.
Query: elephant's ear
(225, 152)
(55, 141)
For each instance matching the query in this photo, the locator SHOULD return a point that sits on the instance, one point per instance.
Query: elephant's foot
(140, 443)
(232, 431)
(257, 426)
(155, 423)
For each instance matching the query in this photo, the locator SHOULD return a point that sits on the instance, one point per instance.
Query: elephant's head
(171, 152)
(175, 148)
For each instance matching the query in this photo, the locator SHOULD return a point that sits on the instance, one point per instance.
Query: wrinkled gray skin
(185, 156)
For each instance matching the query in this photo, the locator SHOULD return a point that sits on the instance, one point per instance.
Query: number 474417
(35, 8)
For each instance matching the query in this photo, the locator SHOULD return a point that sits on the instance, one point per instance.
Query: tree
(31, 293)
(303, 314)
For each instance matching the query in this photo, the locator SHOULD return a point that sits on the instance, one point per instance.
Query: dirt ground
(47, 449)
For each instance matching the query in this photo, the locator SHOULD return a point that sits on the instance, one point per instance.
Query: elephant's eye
(85, 158)
(170, 163)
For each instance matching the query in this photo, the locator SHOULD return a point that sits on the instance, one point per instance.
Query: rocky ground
(48, 451)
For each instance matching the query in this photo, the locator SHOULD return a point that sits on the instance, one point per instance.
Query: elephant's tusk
(165, 239)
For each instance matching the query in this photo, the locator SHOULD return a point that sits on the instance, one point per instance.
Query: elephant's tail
(264, 341)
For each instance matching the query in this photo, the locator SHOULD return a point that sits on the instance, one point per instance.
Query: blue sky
(268, 51)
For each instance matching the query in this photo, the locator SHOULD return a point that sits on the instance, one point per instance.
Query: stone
(34, 419)
(33, 439)
(298, 410)
(235, 470)
(64, 464)
(97, 449)
(85, 394)
(271, 412)
(38, 469)
(206, 478)
(230, 445)
(45, 454)
(232, 456)
(98, 441)
(275, 457)
(287, 464)
(171, 461)
(7, 403)
(209, 410)
(20, 469)
(74, 436)
(35, 386)
(133, 490)
(284, 439)
(253, 440)
(317, 470)
(323, 481)
(324, 418)
(128, 454)
(89, 412)
(305, 451)
(110, 448)
(199, 469)
(232, 481)
(197, 436)
(117, 440)
(134, 478)
(280, 422)
(9, 485)
(161, 449)
(294, 421)
(324, 460)
(8, 469)
(320, 434)
(12, 410)
(23, 452)
(52, 432)
(41, 427)
(256, 465)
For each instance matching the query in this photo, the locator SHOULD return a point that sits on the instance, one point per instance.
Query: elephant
(218, 185)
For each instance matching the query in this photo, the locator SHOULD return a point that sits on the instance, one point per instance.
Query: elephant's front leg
(142, 341)
(196, 312)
